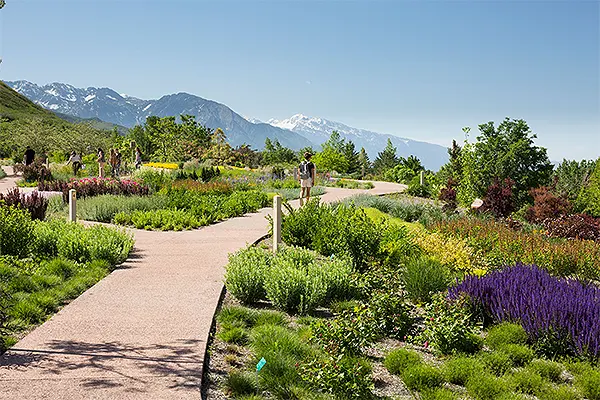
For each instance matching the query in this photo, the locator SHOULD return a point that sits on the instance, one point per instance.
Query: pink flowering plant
(89, 187)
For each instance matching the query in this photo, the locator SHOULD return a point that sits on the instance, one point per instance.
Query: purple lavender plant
(562, 308)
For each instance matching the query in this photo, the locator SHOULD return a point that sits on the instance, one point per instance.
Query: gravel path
(141, 332)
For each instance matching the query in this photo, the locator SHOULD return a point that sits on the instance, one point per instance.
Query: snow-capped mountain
(110, 106)
(295, 132)
(318, 131)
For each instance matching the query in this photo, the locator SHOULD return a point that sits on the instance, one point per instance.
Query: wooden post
(422, 178)
(276, 223)
(72, 205)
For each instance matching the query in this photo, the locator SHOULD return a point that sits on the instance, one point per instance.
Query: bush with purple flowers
(560, 313)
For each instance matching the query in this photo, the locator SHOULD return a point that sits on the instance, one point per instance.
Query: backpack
(304, 170)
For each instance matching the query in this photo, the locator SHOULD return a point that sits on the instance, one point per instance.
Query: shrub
(546, 205)
(398, 360)
(391, 314)
(506, 333)
(448, 195)
(438, 394)
(589, 383)
(245, 274)
(421, 376)
(526, 381)
(89, 187)
(424, 276)
(33, 202)
(559, 393)
(486, 387)
(416, 189)
(588, 200)
(547, 369)
(458, 370)
(339, 230)
(448, 327)
(497, 362)
(16, 231)
(293, 287)
(498, 199)
(511, 294)
(343, 376)
(405, 208)
(240, 383)
(103, 208)
(164, 220)
(450, 251)
(348, 333)
(34, 172)
(500, 245)
(578, 226)
(519, 355)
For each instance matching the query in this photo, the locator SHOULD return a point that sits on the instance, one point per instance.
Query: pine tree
(352, 157)
(386, 159)
(363, 162)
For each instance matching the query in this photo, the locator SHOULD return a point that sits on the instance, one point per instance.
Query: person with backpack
(306, 175)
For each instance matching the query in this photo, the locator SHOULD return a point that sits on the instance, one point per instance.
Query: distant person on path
(138, 157)
(29, 156)
(75, 161)
(118, 159)
(113, 162)
(306, 173)
(101, 163)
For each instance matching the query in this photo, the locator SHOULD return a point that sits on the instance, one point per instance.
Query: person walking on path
(29, 156)
(307, 174)
(138, 157)
(101, 162)
(118, 160)
(112, 160)
(75, 161)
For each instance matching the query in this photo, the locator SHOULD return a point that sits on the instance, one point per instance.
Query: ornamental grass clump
(555, 312)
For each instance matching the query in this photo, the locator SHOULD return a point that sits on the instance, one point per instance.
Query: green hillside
(23, 123)
(14, 106)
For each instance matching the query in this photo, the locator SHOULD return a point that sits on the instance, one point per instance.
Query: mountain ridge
(295, 132)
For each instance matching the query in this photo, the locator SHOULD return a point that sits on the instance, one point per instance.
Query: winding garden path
(141, 332)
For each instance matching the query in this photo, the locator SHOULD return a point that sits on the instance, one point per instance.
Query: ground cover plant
(434, 346)
(44, 264)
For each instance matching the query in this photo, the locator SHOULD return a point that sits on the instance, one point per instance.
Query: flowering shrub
(577, 226)
(162, 165)
(496, 244)
(448, 326)
(551, 309)
(32, 202)
(89, 187)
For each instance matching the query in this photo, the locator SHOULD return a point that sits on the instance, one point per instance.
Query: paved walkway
(141, 332)
(10, 181)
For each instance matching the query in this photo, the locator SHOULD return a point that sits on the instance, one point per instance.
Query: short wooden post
(422, 178)
(72, 205)
(276, 223)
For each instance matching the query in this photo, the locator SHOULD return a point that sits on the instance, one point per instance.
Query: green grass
(459, 370)
(400, 359)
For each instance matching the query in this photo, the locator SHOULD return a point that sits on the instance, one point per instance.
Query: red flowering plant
(89, 187)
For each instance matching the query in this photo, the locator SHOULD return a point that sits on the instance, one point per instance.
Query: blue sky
(417, 69)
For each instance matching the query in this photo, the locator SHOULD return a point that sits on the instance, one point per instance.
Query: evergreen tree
(455, 161)
(352, 157)
(386, 159)
(364, 162)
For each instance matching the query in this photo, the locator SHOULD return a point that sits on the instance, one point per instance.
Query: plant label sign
(260, 364)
